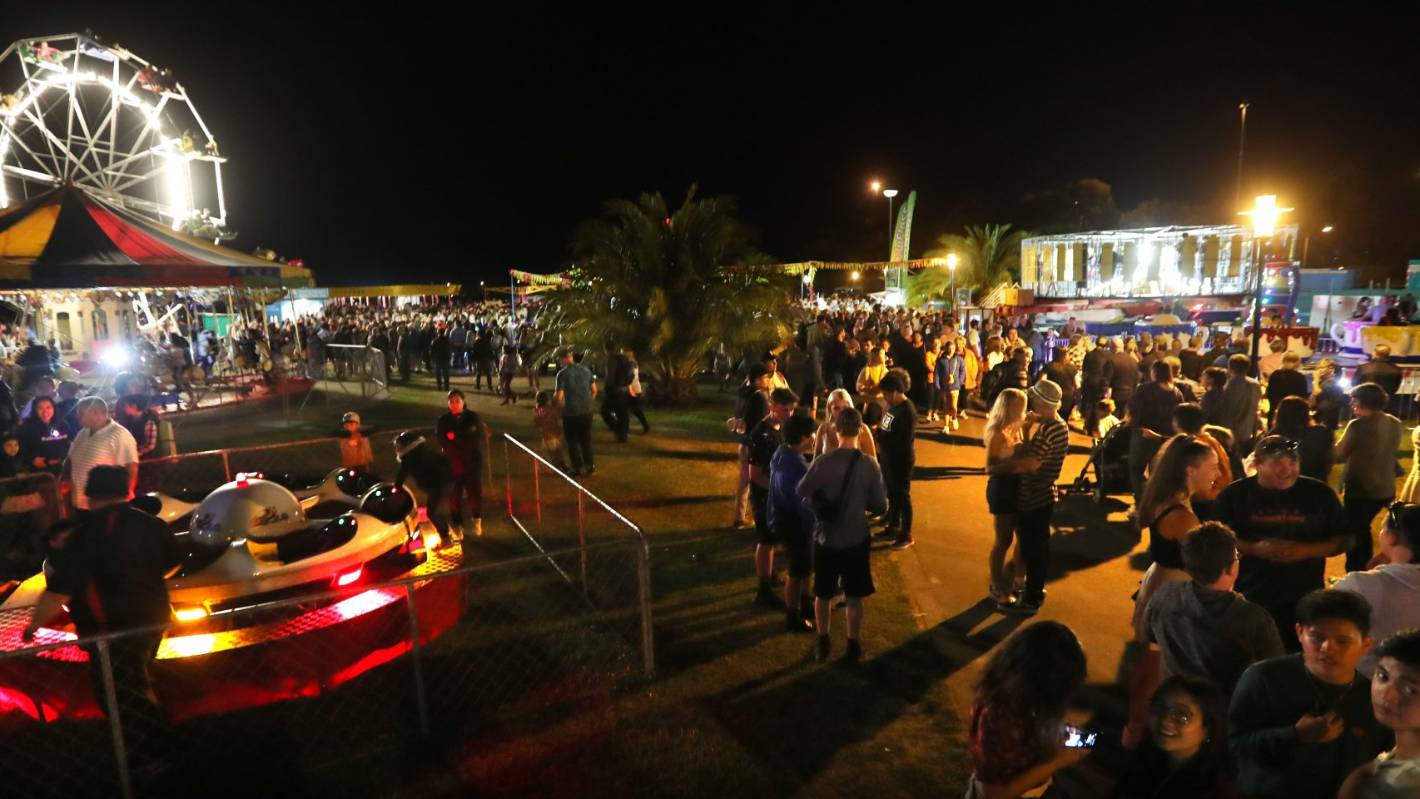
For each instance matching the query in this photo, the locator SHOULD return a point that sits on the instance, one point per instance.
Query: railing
(313, 458)
(541, 500)
(354, 363)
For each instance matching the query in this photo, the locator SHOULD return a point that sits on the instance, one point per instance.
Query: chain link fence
(342, 691)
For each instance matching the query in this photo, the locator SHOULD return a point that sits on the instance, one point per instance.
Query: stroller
(1107, 470)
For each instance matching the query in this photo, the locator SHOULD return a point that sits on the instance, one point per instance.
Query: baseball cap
(350, 416)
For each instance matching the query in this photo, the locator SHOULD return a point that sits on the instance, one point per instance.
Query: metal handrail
(508, 439)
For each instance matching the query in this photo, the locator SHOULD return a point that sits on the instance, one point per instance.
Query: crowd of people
(1256, 678)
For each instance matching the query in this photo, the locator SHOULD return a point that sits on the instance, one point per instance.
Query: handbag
(827, 510)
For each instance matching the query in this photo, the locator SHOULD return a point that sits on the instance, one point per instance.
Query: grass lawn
(738, 706)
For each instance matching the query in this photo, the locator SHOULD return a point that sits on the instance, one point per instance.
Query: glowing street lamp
(856, 274)
(889, 194)
(1264, 213)
(876, 186)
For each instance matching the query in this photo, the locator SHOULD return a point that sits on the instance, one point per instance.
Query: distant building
(1150, 262)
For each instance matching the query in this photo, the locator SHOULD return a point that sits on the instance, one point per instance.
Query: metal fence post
(420, 697)
(537, 489)
(115, 724)
(508, 473)
(582, 533)
(226, 465)
(648, 644)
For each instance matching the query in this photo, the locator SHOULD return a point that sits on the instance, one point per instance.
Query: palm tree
(669, 285)
(989, 254)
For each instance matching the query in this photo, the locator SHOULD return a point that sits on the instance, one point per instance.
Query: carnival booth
(301, 302)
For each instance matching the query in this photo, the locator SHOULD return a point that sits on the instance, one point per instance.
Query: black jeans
(615, 413)
(633, 406)
(898, 481)
(1033, 532)
(1360, 512)
(144, 724)
(467, 494)
(578, 432)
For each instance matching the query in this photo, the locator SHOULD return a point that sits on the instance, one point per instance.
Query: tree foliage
(671, 286)
(987, 255)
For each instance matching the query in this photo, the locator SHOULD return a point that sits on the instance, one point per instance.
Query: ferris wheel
(75, 110)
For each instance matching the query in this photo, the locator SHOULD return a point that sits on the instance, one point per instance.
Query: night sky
(386, 143)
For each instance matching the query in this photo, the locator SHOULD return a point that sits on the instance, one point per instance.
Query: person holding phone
(1016, 736)
(1186, 754)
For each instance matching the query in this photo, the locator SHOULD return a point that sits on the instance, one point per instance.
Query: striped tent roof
(66, 238)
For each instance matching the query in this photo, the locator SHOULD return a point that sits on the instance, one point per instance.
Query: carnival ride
(76, 110)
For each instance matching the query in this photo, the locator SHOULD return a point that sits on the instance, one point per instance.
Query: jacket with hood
(1394, 593)
(1215, 634)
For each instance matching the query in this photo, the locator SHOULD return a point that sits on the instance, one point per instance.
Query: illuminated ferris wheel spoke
(73, 109)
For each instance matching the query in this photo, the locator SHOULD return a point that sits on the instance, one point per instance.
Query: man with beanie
(426, 473)
(108, 568)
(1047, 441)
(896, 439)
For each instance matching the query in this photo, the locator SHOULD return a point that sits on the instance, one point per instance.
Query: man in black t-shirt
(761, 442)
(751, 405)
(1287, 526)
(460, 433)
(108, 568)
(896, 438)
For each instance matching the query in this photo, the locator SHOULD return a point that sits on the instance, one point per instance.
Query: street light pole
(952, 267)
(889, 194)
(1264, 222)
(1242, 140)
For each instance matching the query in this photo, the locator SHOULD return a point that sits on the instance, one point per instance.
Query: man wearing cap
(575, 392)
(1287, 526)
(460, 433)
(426, 472)
(896, 439)
(355, 452)
(100, 442)
(108, 569)
(1039, 466)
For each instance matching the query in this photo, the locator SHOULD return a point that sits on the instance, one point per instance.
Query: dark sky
(384, 144)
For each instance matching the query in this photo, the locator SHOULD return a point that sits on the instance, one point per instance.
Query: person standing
(1191, 359)
(439, 356)
(1063, 374)
(634, 392)
(1287, 526)
(762, 441)
(791, 518)
(1039, 467)
(101, 442)
(1395, 773)
(1368, 449)
(426, 472)
(1123, 377)
(1150, 422)
(950, 377)
(108, 568)
(484, 362)
(1240, 402)
(1096, 374)
(614, 393)
(1002, 439)
(843, 487)
(461, 437)
(1299, 724)
(1285, 381)
(897, 434)
(1383, 373)
(1393, 588)
(576, 390)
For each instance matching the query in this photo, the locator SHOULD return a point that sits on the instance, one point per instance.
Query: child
(548, 418)
(355, 449)
(10, 463)
(507, 370)
(1106, 420)
(1395, 699)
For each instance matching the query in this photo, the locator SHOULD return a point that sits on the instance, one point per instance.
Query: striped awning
(67, 238)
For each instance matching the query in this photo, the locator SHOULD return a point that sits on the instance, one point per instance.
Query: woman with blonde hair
(1003, 438)
(827, 440)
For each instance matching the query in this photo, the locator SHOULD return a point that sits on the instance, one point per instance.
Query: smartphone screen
(1076, 738)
